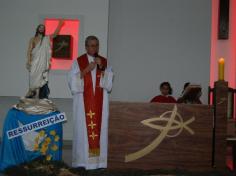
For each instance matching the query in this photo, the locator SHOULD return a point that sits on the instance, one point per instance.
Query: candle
(221, 68)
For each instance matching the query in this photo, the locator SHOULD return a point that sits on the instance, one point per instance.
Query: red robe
(163, 99)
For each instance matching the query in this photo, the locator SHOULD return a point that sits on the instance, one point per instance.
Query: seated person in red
(165, 97)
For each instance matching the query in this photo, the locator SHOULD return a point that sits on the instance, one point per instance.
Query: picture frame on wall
(223, 23)
(62, 47)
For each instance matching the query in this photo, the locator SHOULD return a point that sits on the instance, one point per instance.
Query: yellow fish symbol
(172, 124)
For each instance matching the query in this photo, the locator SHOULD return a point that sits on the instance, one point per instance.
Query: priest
(90, 81)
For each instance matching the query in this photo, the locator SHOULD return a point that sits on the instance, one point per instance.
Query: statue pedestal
(30, 131)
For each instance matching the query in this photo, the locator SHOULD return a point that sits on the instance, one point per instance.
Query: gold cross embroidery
(90, 114)
(93, 135)
(92, 124)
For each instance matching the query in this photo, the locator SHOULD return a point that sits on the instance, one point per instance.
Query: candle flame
(222, 60)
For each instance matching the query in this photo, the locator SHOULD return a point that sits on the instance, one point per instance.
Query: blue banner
(28, 146)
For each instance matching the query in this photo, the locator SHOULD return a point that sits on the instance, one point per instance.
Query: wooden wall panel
(184, 151)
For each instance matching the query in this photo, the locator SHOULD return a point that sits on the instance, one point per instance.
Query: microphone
(95, 55)
(98, 67)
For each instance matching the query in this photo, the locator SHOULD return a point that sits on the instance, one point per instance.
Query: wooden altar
(168, 136)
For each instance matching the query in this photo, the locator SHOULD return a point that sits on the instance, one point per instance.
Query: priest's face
(165, 90)
(92, 47)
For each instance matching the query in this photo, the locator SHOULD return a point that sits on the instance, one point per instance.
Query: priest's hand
(98, 61)
(89, 68)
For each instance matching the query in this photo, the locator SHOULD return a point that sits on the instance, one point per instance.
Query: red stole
(93, 103)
